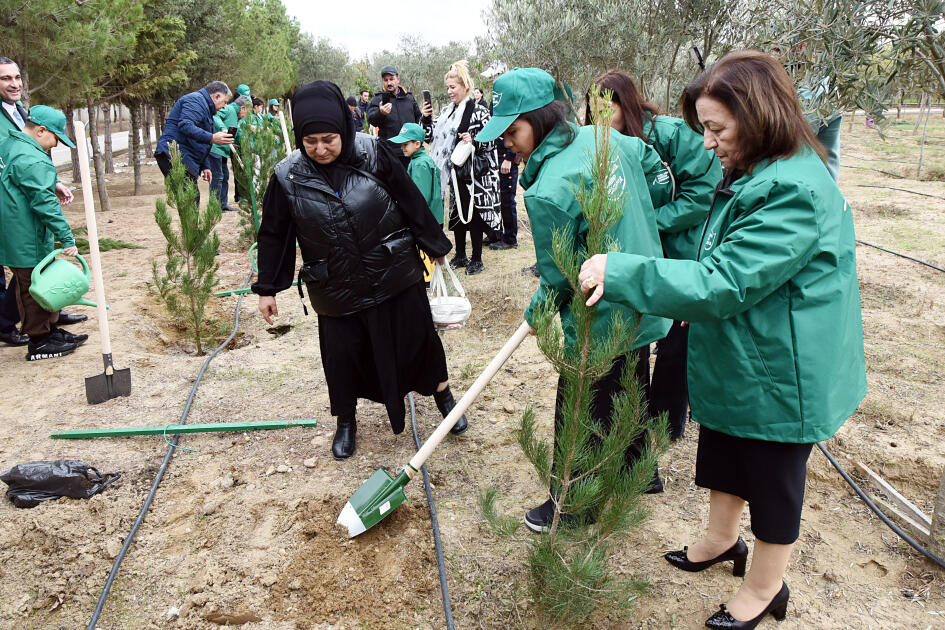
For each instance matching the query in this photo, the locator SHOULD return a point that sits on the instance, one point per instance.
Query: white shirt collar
(11, 107)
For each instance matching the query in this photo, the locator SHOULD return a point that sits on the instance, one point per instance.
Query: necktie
(18, 118)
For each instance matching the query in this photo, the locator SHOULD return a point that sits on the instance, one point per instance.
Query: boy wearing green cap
(424, 173)
(31, 220)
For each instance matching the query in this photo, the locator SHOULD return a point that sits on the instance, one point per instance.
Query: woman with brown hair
(695, 172)
(776, 336)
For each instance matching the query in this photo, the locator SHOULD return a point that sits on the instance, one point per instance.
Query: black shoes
(777, 607)
(68, 337)
(502, 245)
(342, 446)
(68, 319)
(49, 347)
(539, 519)
(13, 337)
(474, 267)
(533, 270)
(738, 553)
(458, 262)
(445, 403)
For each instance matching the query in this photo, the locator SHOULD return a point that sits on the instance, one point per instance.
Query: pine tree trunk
(107, 130)
(97, 158)
(154, 120)
(146, 129)
(134, 149)
(74, 153)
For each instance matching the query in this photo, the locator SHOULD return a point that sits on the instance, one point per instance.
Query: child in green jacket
(424, 174)
(31, 221)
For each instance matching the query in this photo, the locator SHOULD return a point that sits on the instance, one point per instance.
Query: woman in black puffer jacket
(358, 219)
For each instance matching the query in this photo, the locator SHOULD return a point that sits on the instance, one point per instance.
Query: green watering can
(58, 283)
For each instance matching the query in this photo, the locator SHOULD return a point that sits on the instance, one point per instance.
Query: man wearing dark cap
(392, 107)
(356, 113)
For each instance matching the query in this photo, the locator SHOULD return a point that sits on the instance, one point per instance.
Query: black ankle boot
(445, 403)
(342, 446)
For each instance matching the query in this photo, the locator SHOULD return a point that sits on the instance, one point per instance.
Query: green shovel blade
(373, 501)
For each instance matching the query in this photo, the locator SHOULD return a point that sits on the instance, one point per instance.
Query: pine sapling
(595, 485)
(189, 275)
(254, 159)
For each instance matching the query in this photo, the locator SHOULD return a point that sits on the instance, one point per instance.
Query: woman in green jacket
(776, 336)
(555, 153)
(695, 174)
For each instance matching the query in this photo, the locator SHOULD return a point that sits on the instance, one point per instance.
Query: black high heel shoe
(777, 607)
(738, 553)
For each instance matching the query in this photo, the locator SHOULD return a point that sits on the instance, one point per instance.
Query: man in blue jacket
(190, 124)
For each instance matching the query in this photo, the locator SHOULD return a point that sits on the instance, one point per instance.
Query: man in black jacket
(392, 107)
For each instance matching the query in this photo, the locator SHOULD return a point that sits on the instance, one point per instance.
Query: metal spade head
(109, 384)
(373, 501)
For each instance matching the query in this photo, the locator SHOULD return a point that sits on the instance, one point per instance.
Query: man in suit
(13, 118)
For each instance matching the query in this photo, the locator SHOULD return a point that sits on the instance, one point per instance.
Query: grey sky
(366, 27)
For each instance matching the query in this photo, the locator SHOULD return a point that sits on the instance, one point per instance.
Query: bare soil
(242, 530)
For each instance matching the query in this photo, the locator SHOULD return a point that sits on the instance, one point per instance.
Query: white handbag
(449, 311)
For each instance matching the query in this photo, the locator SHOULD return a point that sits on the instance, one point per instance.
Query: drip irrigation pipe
(872, 506)
(914, 192)
(876, 170)
(160, 474)
(889, 251)
(444, 587)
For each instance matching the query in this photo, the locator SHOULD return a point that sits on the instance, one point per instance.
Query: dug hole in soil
(242, 531)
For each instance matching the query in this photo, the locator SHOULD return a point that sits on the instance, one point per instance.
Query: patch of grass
(104, 244)
(884, 209)
(916, 238)
(503, 525)
(933, 173)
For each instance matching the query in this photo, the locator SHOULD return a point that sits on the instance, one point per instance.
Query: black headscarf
(320, 107)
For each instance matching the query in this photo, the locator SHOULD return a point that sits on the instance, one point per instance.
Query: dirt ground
(242, 530)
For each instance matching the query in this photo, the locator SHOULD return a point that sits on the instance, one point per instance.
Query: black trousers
(602, 404)
(669, 390)
(508, 183)
(164, 163)
(9, 313)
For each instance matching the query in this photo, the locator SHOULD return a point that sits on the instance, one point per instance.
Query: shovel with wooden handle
(111, 383)
(380, 494)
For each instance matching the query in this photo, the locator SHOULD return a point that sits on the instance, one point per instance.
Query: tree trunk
(134, 149)
(925, 130)
(97, 157)
(107, 130)
(73, 153)
(924, 102)
(669, 75)
(146, 129)
(852, 116)
(155, 115)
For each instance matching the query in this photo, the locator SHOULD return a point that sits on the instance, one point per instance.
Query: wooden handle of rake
(95, 255)
(471, 394)
(285, 133)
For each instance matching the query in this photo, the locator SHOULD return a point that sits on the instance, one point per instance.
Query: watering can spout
(86, 302)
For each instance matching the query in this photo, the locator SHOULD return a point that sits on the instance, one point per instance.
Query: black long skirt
(381, 354)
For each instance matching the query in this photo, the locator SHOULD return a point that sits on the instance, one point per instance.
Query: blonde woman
(476, 208)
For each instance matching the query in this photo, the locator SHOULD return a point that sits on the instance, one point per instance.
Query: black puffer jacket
(357, 248)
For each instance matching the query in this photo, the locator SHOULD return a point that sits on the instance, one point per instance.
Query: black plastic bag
(34, 482)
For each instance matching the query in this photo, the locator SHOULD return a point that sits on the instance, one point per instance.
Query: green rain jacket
(696, 172)
(776, 339)
(549, 177)
(426, 176)
(228, 116)
(30, 215)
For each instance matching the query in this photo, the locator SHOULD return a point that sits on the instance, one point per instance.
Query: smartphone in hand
(232, 131)
(426, 96)
(385, 97)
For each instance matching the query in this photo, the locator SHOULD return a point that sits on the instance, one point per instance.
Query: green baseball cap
(243, 89)
(52, 119)
(273, 101)
(516, 92)
(409, 132)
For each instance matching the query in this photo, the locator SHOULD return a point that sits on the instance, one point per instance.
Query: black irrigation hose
(889, 251)
(866, 168)
(872, 506)
(160, 474)
(444, 587)
(914, 192)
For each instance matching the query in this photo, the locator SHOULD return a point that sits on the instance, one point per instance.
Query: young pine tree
(595, 485)
(189, 275)
(260, 149)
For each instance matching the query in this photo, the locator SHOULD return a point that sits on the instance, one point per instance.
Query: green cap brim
(495, 128)
(402, 139)
(65, 140)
